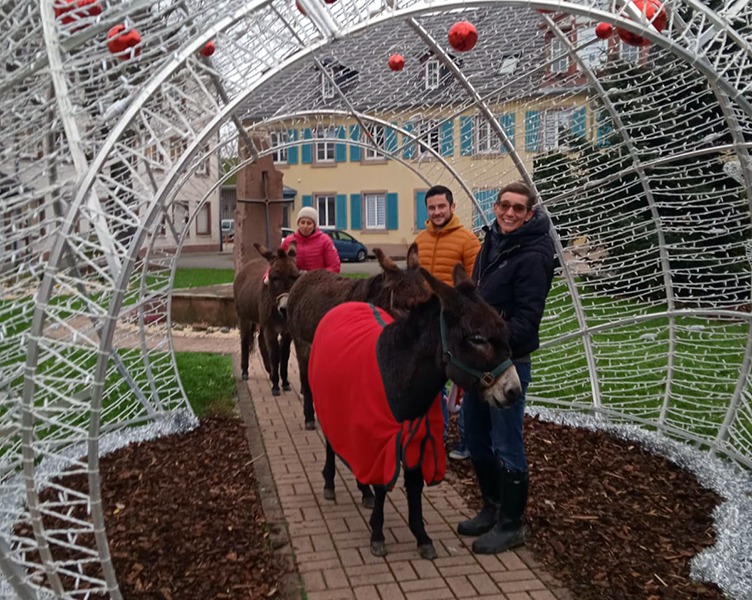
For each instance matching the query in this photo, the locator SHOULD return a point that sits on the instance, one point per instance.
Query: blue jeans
(492, 432)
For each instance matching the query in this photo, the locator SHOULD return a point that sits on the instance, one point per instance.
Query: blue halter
(486, 378)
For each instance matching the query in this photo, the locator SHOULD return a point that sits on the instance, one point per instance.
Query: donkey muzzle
(282, 303)
(505, 390)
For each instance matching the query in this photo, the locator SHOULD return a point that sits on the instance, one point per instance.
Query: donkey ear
(263, 251)
(386, 263)
(292, 249)
(462, 281)
(445, 292)
(413, 262)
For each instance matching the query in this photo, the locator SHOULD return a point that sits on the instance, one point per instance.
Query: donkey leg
(414, 487)
(378, 542)
(366, 495)
(328, 473)
(246, 346)
(272, 346)
(284, 358)
(264, 350)
(308, 413)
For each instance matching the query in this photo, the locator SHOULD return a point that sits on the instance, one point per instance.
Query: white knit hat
(309, 212)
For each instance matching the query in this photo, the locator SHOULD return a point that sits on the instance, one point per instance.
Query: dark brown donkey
(258, 302)
(357, 351)
(316, 292)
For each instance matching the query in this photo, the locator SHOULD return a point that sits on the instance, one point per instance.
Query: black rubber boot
(488, 473)
(509, 530)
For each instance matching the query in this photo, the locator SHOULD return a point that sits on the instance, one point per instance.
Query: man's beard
(443, 223)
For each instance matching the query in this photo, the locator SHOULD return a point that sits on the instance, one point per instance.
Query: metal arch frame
(85, 184)
(589, 351)
(639, 168)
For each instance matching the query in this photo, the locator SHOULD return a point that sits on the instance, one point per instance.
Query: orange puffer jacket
(440, 250)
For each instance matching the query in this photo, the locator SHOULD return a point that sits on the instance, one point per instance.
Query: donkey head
(283, 272)
(401, 289)
(475, 341)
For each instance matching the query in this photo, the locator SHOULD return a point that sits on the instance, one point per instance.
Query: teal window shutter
(579, 122)
(307, 200)
(390, 138)
(605, 127)
(306, 153)
(507, 125)
(340, 216)
(292, 151)
(447, 138)
(486, 199)
(421, 214)
(340, 150)
(466, 136)
(532, 130)
(392, 211)
(356, 208)
(409, 147)
(354, 150)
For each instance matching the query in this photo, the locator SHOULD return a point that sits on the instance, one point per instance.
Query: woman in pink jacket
(315, 249)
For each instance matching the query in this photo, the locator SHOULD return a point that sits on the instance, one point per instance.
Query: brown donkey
(259, 302)
(316, 292)
(377, 381)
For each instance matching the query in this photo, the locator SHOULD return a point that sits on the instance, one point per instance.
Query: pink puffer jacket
(316, 251)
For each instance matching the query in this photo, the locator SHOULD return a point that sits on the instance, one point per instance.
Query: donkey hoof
(286, 387)
(329, 494)
(310, 425)
(245, 375)
(378, 548)
(427, 551)
(368, 501)
(275, 391)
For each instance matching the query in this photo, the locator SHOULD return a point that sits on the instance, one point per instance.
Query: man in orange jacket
(444, 243)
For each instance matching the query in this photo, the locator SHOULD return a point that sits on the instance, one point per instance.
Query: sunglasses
(519, 209)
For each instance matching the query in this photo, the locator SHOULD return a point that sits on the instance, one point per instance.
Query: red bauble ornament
(654, 12)
(463, 36)
(120, 40)
(73, 10)
(544, 11)
(330, 1)
(603, 31)
(208, 49)
(300, 7)
(396, 62)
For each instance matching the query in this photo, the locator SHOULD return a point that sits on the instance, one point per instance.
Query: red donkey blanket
(351, 404)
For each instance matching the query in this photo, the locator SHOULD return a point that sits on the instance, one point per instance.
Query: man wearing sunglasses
(513, 270)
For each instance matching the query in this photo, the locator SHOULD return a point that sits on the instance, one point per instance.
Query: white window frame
(326, 206)
(485, 138)
(556, 47)
(203, 220)
(629, 53)
(324, 152)
(374, 207)
(557, 123)
(204, 166)
(177, 147)
(278, 137)
(432, 73)
(432, 139)
(378, 133)
(328, 91)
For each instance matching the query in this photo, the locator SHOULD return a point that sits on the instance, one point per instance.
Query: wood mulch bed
(606, 517)
(609, 520)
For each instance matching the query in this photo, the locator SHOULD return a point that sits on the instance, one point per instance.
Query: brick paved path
(330, 540)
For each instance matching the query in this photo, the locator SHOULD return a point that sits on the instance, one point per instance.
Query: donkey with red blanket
(358, 349)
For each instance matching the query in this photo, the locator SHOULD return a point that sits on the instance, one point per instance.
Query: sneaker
(459, 453)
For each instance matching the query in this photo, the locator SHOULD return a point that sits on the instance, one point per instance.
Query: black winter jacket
(517, 281)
